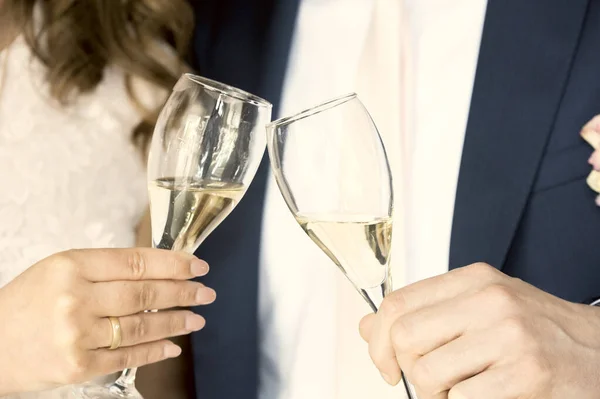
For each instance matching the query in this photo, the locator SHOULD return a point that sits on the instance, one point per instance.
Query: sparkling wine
(184, 211)
(358, 245)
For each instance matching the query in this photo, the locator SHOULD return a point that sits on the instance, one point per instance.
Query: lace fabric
(70, 177)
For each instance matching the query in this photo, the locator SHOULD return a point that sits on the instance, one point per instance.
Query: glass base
(114, 391)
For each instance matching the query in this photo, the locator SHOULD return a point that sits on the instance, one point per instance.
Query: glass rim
(317, 109)
(228, 90)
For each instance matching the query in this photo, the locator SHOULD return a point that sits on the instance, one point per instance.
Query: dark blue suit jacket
(522, 204)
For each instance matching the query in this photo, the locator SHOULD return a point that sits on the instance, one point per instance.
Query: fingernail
(592, 137)
(389, 379)
(172, 350)
(598, 200)
(593, 181)
(205, 295)
(194, 322)
(199, 267)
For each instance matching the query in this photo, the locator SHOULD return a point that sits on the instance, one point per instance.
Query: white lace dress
(69, 178)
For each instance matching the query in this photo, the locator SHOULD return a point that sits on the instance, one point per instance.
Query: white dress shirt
(413, 64)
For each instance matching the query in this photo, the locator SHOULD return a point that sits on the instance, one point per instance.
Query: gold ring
(117, 337)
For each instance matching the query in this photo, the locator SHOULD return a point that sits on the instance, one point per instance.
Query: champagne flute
(207, 146)
(332, 170)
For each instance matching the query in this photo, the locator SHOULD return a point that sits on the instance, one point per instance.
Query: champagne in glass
(207, 146)
(185, 212)
(359, 246)
(332, 170)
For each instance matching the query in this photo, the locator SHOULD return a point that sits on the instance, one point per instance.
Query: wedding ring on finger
(117, 336)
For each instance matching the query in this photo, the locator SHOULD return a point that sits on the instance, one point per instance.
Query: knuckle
(68, 306)
(536, 369)
(176, 323)
(458, 392)
(501, 297)
(393, 304)
(124, 360)
(402, 335)
(187, 293)
(148, 356)
(146, 296)
(67, 303)
(71, 336)
(137, 264)
(139, 328)
(179, 267)
(481, 271)
(425, 377)
(76, 368)
(517, 331)
(65, 261)
(364, 327)
(65, 257)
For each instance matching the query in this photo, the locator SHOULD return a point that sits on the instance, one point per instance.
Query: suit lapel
(524, 63)
(246, 44)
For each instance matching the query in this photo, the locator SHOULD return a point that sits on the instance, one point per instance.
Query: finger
(417, 333)
(108, 361)
(593, 180)
(594, 160)
(422, 331)
(493, 383)
(123, 298)
(469, 279)
(593, 123)
(136, 264)
(366, 326)
(425, 293)
(590, 132)
(148, 327)
(592, 138)
(458, 360)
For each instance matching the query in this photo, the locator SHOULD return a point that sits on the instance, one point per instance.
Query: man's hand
(476, 333)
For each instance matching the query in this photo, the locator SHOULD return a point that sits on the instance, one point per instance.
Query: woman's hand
(54, 326)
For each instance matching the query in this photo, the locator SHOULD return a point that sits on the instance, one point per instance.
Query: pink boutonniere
(591, 134)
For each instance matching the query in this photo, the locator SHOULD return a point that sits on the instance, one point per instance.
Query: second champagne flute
(207, 146)
(332, 170)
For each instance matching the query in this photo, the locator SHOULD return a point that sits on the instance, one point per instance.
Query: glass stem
(374, 297)
(127, 378)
